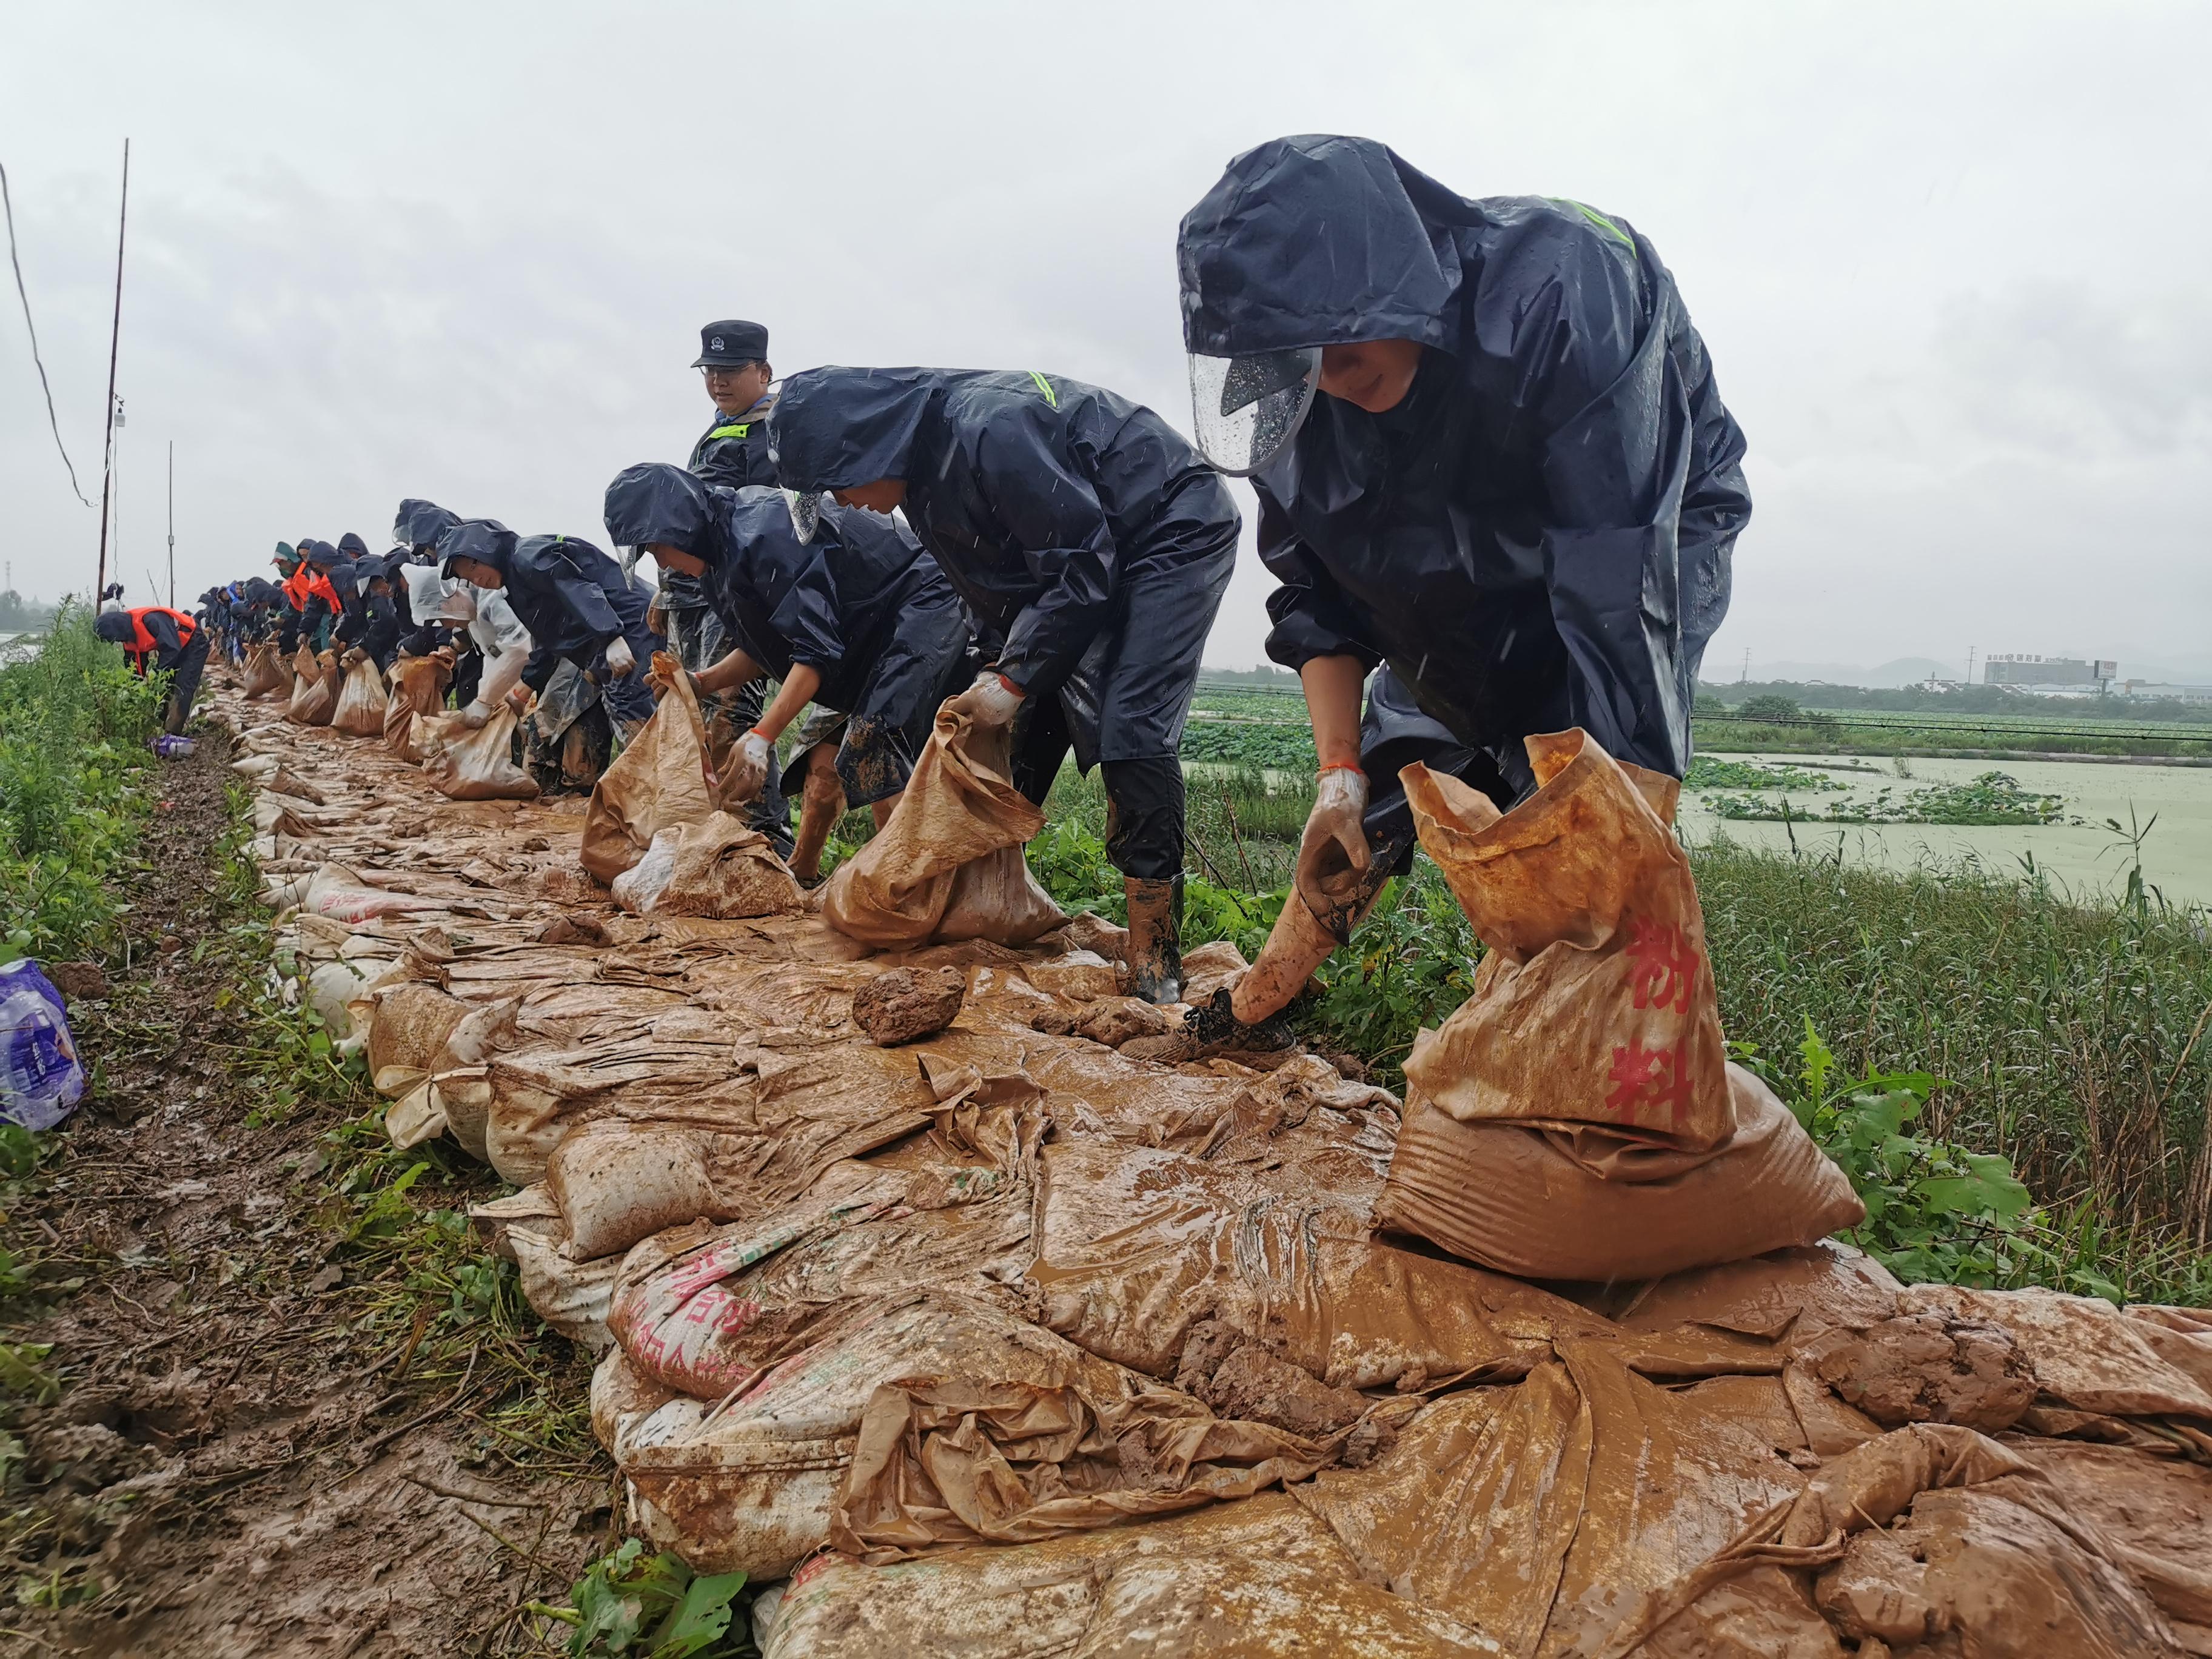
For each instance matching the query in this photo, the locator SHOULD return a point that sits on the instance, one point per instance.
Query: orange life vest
(143, 643)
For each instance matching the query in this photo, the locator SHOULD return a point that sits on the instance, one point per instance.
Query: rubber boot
(821, 803)
(1155, 955)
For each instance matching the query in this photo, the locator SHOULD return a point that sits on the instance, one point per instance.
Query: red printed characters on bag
(1665, 964)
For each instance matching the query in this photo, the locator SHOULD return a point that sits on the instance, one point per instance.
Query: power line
(9, 202)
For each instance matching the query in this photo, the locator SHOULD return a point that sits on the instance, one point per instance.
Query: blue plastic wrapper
(40, 1078)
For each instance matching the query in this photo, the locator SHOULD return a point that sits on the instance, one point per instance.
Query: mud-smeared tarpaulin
(1008, 1343)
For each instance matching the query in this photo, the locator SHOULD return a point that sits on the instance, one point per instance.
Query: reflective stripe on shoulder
(1045, 387)
(1600, 221)
(730, 431)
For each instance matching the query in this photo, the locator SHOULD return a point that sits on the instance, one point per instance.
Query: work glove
(619, 659)
(1333, 854)
(353, 653)
(476, 715)
(992, 701)
(521, 700)
(749, 765)
(660, 678)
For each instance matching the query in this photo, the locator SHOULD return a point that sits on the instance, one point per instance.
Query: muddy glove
(992, 701)
(353, 653)
(476, 716)
(1333, 855)
(619, 659)
(749, 765)
(660, 678)
(520, 700)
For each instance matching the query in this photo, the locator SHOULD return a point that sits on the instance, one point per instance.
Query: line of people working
(1497, 484)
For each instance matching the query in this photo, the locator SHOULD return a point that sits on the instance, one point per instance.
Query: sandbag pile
(1001, 1341)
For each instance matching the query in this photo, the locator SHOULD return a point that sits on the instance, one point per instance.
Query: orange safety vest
(143, 644)
(295, 587)
(320, 584)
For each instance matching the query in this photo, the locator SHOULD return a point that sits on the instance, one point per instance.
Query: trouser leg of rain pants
(1144, 798)
(184, 681)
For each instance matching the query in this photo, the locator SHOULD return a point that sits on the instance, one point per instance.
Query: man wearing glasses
(733, 452)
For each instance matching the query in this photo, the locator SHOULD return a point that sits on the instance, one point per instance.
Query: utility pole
(1970, 663)
(172, 524)
(114, 339)
(1743, 674)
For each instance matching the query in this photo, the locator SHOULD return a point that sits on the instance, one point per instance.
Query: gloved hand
(991, 701)
(660, 678)
(353, 654)
(749, 765)
(476, 715)
(522, 700)
(1333, 854)
(619, 659)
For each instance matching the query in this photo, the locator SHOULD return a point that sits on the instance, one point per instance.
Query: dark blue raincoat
(420, 523)
(573, 600)
(1089, 541)
(1540, 535)
(861, 604)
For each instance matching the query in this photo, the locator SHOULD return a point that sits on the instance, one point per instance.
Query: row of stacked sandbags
(1008, 1342)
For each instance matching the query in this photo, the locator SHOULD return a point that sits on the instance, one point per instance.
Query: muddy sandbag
(1020, 1601)
(315, 689)
(1505, 1507)
(708, 1310)
(660, 780)
(614, 1188)
(1526, 1201)
(2088, 1356)
(1595, 1003)
(265, 670)
(571, 1296)
(362, 699)
(476, 765)
(931, 1418)
(714, 866)
(1927, 1534)
(417, 688)
(959, 807)
(1135, 1247)
(408, 1026)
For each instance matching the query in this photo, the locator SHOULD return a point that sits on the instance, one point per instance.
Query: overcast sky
(1950, 259)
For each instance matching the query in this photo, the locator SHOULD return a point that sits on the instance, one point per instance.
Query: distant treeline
(18, 614)
(1962, 700)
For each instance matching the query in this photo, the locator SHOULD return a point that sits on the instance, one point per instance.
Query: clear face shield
(435, 598)
(1247, 409)
(806, 512)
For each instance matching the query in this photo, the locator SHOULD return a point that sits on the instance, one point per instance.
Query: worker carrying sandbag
(333, 613)
(732, 452)
(859, 619)
(1490, 454)
(153, 636)
(500, 644)
(1093, 546)
(576, 604)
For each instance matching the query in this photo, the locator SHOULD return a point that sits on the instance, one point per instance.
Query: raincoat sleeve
(806, 615)
(1308, 612)
(505, 647)
(1598, 386)
(1056, 517)
(1716, 505)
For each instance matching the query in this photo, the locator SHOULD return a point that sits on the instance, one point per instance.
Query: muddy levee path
(242, 1454)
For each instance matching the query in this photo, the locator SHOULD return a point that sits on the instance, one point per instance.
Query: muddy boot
(1212, 1031)
(821, 803)
(1155, 957)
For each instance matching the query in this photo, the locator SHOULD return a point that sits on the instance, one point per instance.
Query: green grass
(75, 788)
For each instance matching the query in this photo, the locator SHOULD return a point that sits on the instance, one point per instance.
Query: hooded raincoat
(1540, 534)
(861, 604)
(1091, 543)
(482, 615)
(574, 601)
(418, 524)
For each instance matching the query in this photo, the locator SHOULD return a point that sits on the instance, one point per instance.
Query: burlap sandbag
(315, 692)
(716, 867)
(476, 765)
(1583, 1205)
(418, 687)
(361, 700)
(266, 673)
(960, 808)
(662, 779)
(1596, 1004)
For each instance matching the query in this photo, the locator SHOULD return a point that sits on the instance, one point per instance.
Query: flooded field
(2085, 855)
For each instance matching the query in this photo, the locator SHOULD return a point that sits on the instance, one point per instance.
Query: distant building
(2024, 672)
(2150, 688)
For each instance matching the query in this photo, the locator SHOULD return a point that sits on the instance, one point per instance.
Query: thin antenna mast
(114, 339)
(172, 524)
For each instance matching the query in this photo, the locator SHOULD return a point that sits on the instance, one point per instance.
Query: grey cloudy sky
(1949, 257)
